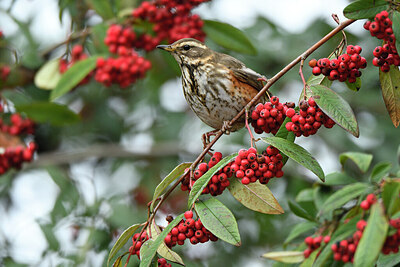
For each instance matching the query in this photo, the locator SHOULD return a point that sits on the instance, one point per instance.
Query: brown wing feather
(241, 72)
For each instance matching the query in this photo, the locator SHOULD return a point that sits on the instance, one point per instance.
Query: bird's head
(188, 51)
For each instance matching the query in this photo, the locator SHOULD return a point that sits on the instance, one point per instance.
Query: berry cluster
(345, 67)
(137, 242)
(345, 249)
(77, 54)
(189, 229)
(119, 39)
(13, 151)
(13, 157)
(308, 119)
(123, 70)
(218, 182)
(250, 166)
(314, 243)
(392, 242)
(172, 20)
(381, 28)
(163, 263)
(18, 125)
(269, 117)
(4, 72)
(369, 200)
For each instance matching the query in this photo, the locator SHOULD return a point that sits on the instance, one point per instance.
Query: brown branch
(105, 151)
(72, 37)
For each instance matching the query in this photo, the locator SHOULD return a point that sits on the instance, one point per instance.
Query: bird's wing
(241, 72)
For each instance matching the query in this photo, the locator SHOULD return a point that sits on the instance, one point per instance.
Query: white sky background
(34, 193)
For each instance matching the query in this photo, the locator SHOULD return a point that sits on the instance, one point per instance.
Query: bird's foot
(226, 127)
(263, 79)
(206, 138)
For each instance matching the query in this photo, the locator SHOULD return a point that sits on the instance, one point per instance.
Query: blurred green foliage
(128, 140)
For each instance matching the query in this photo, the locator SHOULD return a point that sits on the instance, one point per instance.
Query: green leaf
(73, 76)
(118, 261)
(299, 229)
(305, 195)
(229, 37)
(48, 75)
(380, 170)
(99, 32)
(178, 171)
(285, 256)
(219, 220)
(390, 196)
(336, 108)
(339, 178)
(315, 80)
(202, 182)
(255, 196)
(391, 260)
(362, 160)
(48, 231)
(319, 196)
(163, 250)
(299, 211)
(285, 134)
(311, 259)
(68, 197)
(126, 12)
(344, 195)
(102, 7)
(16, 97)
(390, 85)
(354, 86)
(396, 27)
(47, 112)
(297, 153)
(372, 239)
(342, 232)
(122, 239)
(151, 252)
(145, 247)
(364, 9)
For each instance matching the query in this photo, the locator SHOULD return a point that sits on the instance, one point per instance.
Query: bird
(216, 86)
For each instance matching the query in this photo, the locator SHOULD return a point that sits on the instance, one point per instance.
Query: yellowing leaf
(48, 75)
(285, 256)
(255, 196)
(390, 84)
(163, 250)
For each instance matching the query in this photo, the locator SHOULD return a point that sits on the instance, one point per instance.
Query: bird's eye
(186, 47)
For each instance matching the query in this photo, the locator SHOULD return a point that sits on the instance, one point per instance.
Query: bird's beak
(166, 47)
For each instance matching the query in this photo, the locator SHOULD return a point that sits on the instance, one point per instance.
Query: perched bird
(216, 86)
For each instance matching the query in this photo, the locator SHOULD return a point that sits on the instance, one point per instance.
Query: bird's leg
(248, 128)
(262, 79)
(206, 138)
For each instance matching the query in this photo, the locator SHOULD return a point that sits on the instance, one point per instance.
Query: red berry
(371, 199)
(188, 214)
(361, 224)
(316, 71)
(312, 63)
(365, 205)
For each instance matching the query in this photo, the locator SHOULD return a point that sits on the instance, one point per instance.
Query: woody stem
(302, 78)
